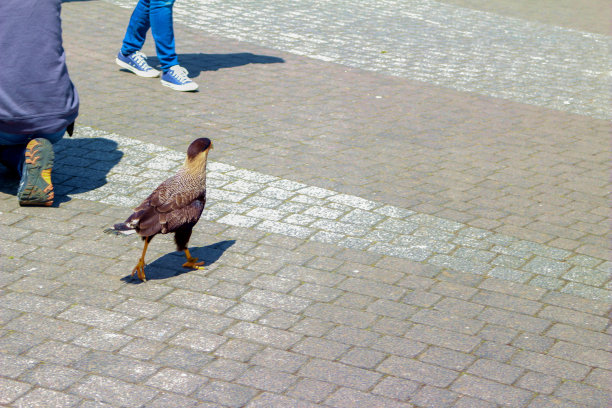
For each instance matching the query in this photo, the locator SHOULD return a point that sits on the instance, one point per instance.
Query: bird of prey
(174, 206)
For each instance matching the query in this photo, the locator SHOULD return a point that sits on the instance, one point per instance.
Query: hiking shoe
(137, 63)
(177, 79)
(35, 187)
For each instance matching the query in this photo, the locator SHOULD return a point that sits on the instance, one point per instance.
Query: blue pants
(157, 15)
(13, 146)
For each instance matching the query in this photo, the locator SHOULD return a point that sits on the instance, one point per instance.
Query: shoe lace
(139, 59)
(180, 73)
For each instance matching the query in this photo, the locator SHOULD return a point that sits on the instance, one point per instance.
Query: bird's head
(197, 153)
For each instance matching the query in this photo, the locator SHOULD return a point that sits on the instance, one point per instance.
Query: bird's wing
(171, 205)
(172, 194)
(189, 214)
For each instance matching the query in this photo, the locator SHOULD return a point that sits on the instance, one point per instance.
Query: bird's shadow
(170, 265)
(199, 62)
(80, 165)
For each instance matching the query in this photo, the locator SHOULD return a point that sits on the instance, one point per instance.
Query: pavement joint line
(246, 198)
(456, 47)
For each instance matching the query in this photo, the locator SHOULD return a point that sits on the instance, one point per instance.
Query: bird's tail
(120, 229)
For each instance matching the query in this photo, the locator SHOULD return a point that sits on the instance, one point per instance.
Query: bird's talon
(191, 263)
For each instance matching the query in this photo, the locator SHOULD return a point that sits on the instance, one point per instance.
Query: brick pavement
(427, 248)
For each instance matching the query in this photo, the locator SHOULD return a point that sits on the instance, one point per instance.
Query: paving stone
(44, 397)
(491, 391)
(312, 390)
(339, 374)
(114, 391)
(542, 401)
(434, 397)
(417, 371)
(495, 371)
(581, 354)
(539, 383)
(321, 348)
(349, 398)
(550, 365)
(583, 394)
(57, 352)
(447, 358)
(514, 320)
(572, 317)
(264, 335)
(442, 338)
(223, 393)
(447, 321)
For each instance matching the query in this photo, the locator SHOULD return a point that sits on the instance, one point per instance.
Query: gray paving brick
(26, 302)
(447, 321)
(418, 371)
(421, 298)
(53, 376)
(442, 338)
(447, 358)
(267, 379)
(573, 317)
(532, 342)
(514, 320)
(263, 335)
(434, 397)
(181, 358)
(102, 340)
(550, 365)
(495, 371)
(539, 383)
(312, 390)
(600, 378)
(349, 398)
(495, 351)
(583, 394)
(45, 397)
(513, 289)
(279, 360)
(46, 327)
(275, 300)
(321, 348)
(224, 369)
(491, 391)
(339, 374)
(114, 391)
(340, 315)
(542, 401)
(459, 307)
(581, 354)
(507, 302)
(227, 394)
(57, 352)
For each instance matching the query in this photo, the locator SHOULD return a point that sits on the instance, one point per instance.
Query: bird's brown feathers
(178, 201)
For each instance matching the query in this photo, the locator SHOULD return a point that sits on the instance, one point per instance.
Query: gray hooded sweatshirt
(36, 94)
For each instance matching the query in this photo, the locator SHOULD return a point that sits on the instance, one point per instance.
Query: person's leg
(12, 148)
(136, 32)
(35, 163)
(160, 14)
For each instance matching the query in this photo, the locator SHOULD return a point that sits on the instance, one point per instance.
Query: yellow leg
(139, 269)
(192, 262)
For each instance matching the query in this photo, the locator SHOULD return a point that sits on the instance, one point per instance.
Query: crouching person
(38, 102)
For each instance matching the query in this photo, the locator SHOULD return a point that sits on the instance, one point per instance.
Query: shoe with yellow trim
(35, 187)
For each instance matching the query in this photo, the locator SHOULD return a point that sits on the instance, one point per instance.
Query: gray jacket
(36, 94)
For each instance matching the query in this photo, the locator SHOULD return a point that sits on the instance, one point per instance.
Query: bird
(175, 206)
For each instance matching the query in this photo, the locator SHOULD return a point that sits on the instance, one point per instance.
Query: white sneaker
(177, 79)
(137, 63)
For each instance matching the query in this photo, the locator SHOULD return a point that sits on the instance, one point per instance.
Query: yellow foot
(139, 270)
(193, 264)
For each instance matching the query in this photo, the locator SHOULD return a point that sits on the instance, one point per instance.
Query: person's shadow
(171, 264)
(196, 63)
(80, 165)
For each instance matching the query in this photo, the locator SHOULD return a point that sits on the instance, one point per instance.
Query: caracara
(174, 206)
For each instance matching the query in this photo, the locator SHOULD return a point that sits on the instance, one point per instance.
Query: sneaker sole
(183, 88)
(35, 187)
(145, 74)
